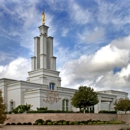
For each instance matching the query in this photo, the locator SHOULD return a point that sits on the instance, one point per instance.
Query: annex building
(43, 85)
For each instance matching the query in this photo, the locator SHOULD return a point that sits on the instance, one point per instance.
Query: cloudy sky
(91, 40)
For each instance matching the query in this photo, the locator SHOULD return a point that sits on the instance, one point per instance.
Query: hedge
(64, 122)
(107, 112)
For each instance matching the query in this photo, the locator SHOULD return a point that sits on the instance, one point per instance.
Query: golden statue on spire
(43, 18)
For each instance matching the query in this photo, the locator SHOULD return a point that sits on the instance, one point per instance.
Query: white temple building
(43, 78)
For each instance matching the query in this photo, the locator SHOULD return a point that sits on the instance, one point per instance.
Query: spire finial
(43, 17)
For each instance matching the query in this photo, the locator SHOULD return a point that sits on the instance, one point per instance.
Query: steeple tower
(43, 61)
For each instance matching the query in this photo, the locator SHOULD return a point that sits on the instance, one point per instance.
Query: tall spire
(43, 18)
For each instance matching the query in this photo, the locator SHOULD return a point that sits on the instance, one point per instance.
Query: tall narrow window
(11, 105)
(65, 105)
(51, 86)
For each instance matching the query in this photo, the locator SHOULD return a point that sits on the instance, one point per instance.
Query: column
(53, 63)
(43, 51)
(99, 104)
(49, 51)
(43, 44)
(37, 51)
(43, 60)
(33, 60)
(111, 105)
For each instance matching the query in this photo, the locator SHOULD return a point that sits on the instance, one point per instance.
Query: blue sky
(91, 40)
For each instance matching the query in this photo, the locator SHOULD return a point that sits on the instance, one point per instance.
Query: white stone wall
(14, 94)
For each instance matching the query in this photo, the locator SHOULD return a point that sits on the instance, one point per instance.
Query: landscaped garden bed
(64, 122)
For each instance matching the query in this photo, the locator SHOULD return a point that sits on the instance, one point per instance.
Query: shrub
(24, 123)
(90, 120)
(125, 129)
(7, 123)
(19, 123)
(107, 112)
(90, 123)
(29, 123)
(14, 111)
(9, 112)
(49, 123)
(39, 121)
(22, 108)
(71, 123)
(60, 123)
(64, 123)
(42, 108)
(20, 111)
(55, 123)
(99, 123)
(34, 123)
(44, 123)
(76, 123)
(81, 123)
(12, 124)
(94, 123)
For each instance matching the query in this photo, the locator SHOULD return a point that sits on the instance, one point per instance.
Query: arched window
(51, 86)
(65, 104)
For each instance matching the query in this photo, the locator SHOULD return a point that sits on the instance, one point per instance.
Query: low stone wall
(124, 117)
(15, 118)
(88, 127)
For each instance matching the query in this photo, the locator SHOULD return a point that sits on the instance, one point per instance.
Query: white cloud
(113, 12)
(5, 57)
(17, 69)
(122, 43)
(64, 32)
(97, 70)
(95, 36)
(78, 14)
(61, 55)
(92, 36)
(120, 80)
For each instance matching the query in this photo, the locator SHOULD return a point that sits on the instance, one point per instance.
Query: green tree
(122, 105)
(2, 109)
(84, 97)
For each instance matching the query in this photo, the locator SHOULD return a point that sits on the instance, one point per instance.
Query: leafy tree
(122, 105)
(84, 97)
(2, 109)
